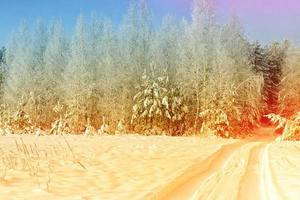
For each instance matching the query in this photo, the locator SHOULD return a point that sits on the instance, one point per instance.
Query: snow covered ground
(155, 167)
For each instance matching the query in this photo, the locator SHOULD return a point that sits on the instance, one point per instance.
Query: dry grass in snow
(107, 167)
(155, 167)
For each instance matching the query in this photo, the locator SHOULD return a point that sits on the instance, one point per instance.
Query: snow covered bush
(156, 102)
(289, 129)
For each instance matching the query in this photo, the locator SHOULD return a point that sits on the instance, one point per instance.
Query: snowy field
(137, 167)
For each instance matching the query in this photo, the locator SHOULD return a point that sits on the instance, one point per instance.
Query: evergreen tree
(148, 100)
(272, 73)
(2, 55)
(257, 57)
(269, 63)
(3, 72)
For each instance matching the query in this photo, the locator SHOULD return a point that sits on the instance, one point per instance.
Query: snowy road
(236, 171)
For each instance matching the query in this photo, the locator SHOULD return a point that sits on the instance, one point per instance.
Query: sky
(263, 20)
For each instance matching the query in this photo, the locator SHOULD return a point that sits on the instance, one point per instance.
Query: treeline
(188, 77)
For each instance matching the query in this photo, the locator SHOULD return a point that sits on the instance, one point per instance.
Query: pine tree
(272, 73)
(2, 55)
(257, 57)
(158, 102)
(148, 100)
(269, 63)
(3, 72)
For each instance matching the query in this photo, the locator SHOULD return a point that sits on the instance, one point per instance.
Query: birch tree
(55, 59)
(37, 99)
(19, 81)
(247, 83)
(76, 76)
(199, 53)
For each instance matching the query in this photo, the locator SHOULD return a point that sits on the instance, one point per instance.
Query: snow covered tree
(135, 42)
(129, 33)
(128, 41)
(77, 77)
(19, 61)
(269, 62)
(107, 73)
(194, 76)
(145, 36)
(234, 41)
(128, 37)
(37, 101)
(166, 47)
(96, 71)
(248, 84)
(290, 85)
(55, 59)
(257, 57)
(159, 103)
(40, 41)
(19, 83)
(148, 101)
(272, 73)
(137, 35)
(175, 109)
(199, 55)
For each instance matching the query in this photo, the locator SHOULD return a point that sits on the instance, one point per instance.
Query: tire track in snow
(236, 171)
(251, 184)
(270, 189)
(228, 179)
(185, 185)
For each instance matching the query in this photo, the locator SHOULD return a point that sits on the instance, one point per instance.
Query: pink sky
(265, 20)
(270, 19)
